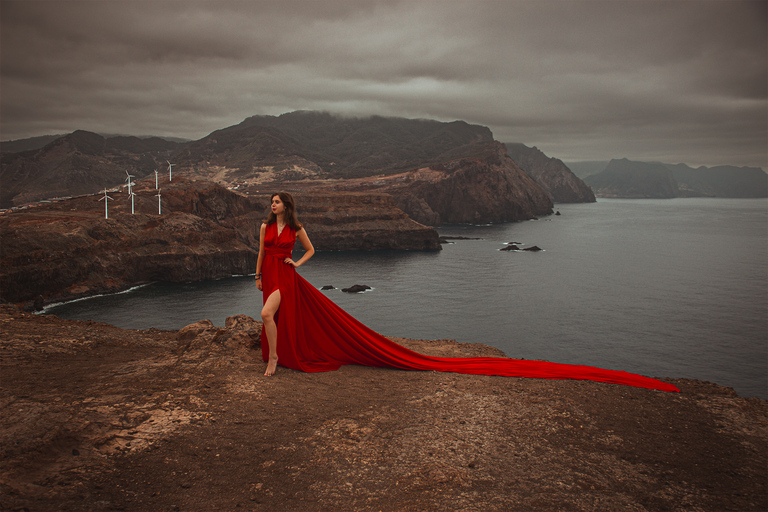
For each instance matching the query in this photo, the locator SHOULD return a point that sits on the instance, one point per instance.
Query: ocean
(665, 288)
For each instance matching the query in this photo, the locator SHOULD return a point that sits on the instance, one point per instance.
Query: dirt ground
(99, 418)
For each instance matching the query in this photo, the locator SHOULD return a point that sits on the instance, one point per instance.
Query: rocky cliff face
(67, 249)
(355, 221)
(488, 187)
(552, 174)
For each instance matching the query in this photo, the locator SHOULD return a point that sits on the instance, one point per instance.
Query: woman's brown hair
(290, 211)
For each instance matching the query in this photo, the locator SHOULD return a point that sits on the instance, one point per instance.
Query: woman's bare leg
(268, 317)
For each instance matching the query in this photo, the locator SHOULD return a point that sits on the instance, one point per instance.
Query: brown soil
(99, 418)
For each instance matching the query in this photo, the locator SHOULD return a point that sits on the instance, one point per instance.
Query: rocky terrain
(99, 418)
(562, 185)
(487, 187)
(470, 178)
(68, 249)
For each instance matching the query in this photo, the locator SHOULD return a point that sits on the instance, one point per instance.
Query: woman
(306, 331)
(279, 250)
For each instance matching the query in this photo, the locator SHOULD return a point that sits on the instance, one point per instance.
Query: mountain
(583, 169)
(19, 145)
(436, 172)
(79, 163)
(721, 181)
(455, 171)
(318, 144)
(625, 178)
(551, 174)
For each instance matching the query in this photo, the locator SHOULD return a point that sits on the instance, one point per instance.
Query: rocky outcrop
(353, 221)
(67, 249)
(552, 174)
(99, 418)
(486, 188)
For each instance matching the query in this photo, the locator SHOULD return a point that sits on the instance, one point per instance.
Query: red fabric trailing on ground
(316, 335)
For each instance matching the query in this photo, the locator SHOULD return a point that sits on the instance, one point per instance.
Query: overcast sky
(672, 81)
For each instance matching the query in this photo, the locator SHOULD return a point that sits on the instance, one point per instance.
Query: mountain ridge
(624, 178)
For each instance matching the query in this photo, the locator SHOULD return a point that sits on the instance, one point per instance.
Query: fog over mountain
(654, 80)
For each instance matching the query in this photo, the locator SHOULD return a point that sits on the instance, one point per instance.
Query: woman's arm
(260, 261)
(310, 250)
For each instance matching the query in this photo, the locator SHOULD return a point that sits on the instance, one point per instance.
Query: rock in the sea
(328, 287)
(356, 288)
(510, 247)
(534, 248)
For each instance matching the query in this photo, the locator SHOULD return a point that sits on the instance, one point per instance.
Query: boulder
(356, 288)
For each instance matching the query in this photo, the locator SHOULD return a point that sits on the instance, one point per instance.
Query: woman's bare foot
(271, 367)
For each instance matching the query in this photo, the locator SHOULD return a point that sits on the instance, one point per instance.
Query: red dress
(316, 335)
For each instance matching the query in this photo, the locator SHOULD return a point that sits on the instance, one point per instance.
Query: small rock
(356, 288)
(535, 248)
(328, 287)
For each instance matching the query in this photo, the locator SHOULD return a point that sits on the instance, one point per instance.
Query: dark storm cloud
(672, 81)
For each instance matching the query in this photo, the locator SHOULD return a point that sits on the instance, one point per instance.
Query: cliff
(99, 418)
(67, 249)
(484, 188)
(562, 185)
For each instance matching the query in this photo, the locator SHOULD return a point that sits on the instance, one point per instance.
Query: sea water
(665, 288)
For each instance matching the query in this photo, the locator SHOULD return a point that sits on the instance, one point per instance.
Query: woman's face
(277, 205)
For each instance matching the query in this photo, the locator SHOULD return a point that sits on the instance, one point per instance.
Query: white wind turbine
(156, 185)
(130, 181)
(106, 200)
(159, 205)
(170, 170)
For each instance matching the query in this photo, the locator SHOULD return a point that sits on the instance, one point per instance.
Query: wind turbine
(170, 170)
(130, 183)
(132, 208)
(106, 199)
(159, 206)
(156, 185)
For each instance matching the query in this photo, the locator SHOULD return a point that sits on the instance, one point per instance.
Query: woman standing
(275, 268)
(305, 330)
